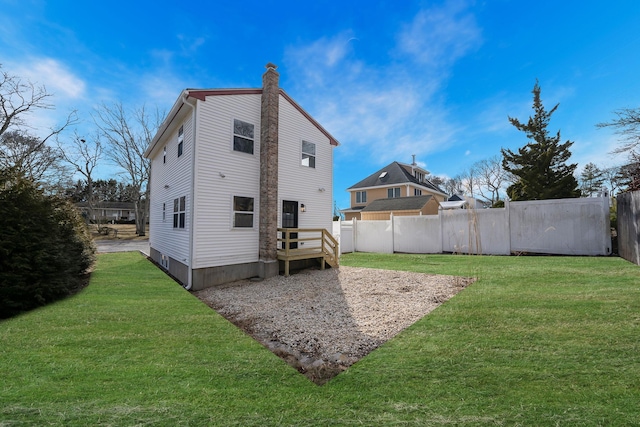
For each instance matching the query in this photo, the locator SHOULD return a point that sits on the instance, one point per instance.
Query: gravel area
(322, 321)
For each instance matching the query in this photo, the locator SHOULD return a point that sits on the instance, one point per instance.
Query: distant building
(387, 190)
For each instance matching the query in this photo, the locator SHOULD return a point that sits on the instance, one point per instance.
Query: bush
(45, 247)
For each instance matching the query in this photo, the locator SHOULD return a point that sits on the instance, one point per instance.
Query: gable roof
(395, 174)
(398, 204)
(201, 94)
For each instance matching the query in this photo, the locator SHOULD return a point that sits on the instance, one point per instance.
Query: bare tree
(627, 124)
(17, 99)
(491, 179)
(83, 157)
(128, 134)
(452, 186)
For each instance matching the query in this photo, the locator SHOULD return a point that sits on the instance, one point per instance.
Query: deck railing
(321, 244)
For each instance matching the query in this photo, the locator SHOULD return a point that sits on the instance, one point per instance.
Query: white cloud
(384, 112)
(55, 76)
(440, 35)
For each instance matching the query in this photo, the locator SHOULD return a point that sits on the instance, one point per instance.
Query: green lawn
(535, 341)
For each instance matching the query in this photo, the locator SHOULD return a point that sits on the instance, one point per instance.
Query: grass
(535, 341)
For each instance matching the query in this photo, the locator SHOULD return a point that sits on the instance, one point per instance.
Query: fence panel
(417, 234)
(562, 227)
(374, 236)
(343, 233)
(476, 231)
(629, 226)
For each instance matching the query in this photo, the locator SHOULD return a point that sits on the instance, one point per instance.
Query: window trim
(180, 213)
(181, 140)
(392, 191)
(310, 155)
(243, 212)
(245, 137)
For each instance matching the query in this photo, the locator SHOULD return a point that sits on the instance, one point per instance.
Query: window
(164, 155)
(417, 192)
(242, 136)
(308, 154)
(179, 212)
(419, 176)
(164, 211)
(242, 212)
(180, 140)
(393, 193)
(361, 197)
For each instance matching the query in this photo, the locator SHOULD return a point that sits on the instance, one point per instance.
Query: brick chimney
(269, 173)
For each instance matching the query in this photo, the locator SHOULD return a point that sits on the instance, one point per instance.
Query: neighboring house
(394, 182)
(459, 201)
(382, 209)
(228, 168)
(108, 211)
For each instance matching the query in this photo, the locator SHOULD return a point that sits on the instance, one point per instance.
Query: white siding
(301, 183)
(216, 242)
(169, 181)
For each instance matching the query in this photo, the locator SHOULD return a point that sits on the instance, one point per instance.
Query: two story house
(228, 168)
(398, 189)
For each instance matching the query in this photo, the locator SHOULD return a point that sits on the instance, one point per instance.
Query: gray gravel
(335, 316)
(123, 246)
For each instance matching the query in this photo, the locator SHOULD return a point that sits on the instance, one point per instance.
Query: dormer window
(419, 176)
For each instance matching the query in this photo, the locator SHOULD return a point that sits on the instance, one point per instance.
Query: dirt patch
(323, 321)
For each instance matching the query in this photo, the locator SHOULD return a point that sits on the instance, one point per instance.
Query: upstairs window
(361, 197)
(164, 211)
(179, 212)
(419, 176)
(393, 193)
(180, 140)
(308, 154)
(242, 136)
(164, 155)
(417, 192)
(242, 212)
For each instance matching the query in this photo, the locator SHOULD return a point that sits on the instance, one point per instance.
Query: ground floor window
(179, 212)
(242, 212)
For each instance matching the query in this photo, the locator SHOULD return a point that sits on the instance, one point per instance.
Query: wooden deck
(320, 245)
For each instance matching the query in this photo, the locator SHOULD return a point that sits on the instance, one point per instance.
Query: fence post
(393, 234)
(508, 219)
(354, 237)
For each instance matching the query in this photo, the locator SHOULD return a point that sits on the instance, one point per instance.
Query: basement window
(242, 212)
(243, 136)
(308, 154)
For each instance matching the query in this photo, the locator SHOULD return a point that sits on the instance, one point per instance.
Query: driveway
(123, 246)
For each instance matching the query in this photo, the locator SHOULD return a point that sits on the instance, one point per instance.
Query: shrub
(45, 247)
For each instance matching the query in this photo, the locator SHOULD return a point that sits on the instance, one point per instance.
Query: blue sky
(387, 78)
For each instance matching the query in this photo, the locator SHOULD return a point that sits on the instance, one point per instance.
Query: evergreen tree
(591, 180)
(540, 167)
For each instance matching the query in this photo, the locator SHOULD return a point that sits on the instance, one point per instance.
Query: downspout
(192, 196)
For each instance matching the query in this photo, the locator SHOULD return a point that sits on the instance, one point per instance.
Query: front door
(290, 220)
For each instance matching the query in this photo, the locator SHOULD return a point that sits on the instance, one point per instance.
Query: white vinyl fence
(562, 227)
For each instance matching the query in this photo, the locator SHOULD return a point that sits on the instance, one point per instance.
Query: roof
(395, 174)
(398, 204)
(201, 94)
(457, 204)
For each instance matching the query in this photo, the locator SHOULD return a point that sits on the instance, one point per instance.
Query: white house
(228, 168)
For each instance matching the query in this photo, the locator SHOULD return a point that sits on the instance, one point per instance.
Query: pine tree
(540, 167)
(591, 180)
